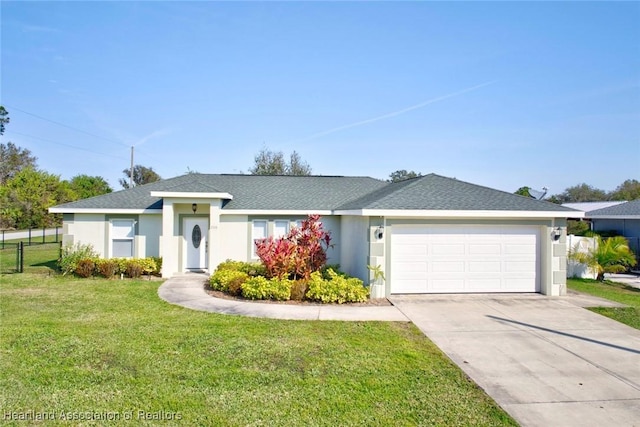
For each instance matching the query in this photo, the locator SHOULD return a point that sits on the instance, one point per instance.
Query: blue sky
(502, 94)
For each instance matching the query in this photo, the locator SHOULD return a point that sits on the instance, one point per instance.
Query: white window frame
(254, 238)
(287, 227)
(115, 236)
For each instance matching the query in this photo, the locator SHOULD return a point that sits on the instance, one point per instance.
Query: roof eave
(71, 210)
(612, 216)
(191, 195)
(420, 213)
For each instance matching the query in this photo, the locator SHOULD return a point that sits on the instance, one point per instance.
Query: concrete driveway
(547, 361)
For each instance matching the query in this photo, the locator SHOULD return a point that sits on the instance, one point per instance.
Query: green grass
(95, 345)
(613, 291)
(38, 259)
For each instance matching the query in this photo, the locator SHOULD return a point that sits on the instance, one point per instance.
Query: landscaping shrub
(157, 271)
(72, 254)
(338, 289)
(134, 267)
(262, 288)
(107, 267)
(299, 289)
(222, 279)
(85, 267)
(298, 254)
(251, 268)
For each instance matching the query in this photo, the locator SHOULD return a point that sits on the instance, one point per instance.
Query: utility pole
(131, 170)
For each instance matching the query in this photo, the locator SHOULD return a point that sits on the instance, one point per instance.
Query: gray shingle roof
(259, 192)
(435, 192)
(631, 208)
(248, 191)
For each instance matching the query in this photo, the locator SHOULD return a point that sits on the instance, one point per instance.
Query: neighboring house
(430, 234)
(591, 206)
(622, 218)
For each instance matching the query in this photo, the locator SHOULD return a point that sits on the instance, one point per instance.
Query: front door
(195, 232)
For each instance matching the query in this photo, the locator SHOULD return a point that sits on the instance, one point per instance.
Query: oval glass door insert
(196, 236)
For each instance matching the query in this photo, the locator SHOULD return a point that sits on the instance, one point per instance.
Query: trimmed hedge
(262, 288)
(338, 288)
(84, 262)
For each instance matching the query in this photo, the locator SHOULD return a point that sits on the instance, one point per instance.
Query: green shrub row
(108, 268)
(240, 278)
(338, 288)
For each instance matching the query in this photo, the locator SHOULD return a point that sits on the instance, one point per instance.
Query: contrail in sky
(397, 113)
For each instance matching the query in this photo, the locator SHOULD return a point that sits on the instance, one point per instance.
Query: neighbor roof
(435, 192)
(591, 206)
(318, 193)
(629, 209)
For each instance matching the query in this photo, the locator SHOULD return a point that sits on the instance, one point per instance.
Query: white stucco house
(430, 234)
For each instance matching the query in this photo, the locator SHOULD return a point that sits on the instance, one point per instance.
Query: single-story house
(430, 234)
(622, 218)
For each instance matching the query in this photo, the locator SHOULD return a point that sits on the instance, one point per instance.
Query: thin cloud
(152, 135)
(396, 113)
(29, 28)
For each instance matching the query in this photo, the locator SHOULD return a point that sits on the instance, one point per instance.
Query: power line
(67, 145)
(66, 126)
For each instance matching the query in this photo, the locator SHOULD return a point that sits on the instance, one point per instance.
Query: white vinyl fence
(579, 244)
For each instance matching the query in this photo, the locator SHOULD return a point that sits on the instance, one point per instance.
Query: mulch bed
(368, 303)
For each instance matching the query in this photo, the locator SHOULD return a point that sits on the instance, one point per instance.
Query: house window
(258, 232)
(280, 228)
(122, 234)
(298, 223)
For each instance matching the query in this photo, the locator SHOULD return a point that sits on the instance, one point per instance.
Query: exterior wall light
(557, 232)
(379, 233)
(194, 207)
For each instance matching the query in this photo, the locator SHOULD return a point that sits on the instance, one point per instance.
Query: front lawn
(613, 291)
(96, 348)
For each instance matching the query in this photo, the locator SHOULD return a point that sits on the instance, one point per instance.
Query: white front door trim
(194, 233)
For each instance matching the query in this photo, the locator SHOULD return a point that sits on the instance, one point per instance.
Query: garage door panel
(411, 287)
(485, 266)
(447, 249)
(511, 249)
(485, 249)
(464, 259)
(411, 250)
(448, 267)
(447, 285)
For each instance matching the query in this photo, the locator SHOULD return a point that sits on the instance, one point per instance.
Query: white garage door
(458, 259)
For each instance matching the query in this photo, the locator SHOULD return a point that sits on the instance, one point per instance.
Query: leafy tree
(523, 191)
(141, 175)
(26, 198)
(628, 190)
(577, 227)
(297, 166)
(401, 175)
(612, 255)
(85, 186)
(13, 159)
(4, 119)
(581, 193)
(268, 162)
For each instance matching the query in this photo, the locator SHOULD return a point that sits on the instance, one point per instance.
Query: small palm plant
(608, 256)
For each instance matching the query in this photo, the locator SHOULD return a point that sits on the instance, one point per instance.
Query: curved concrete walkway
(187, 290)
